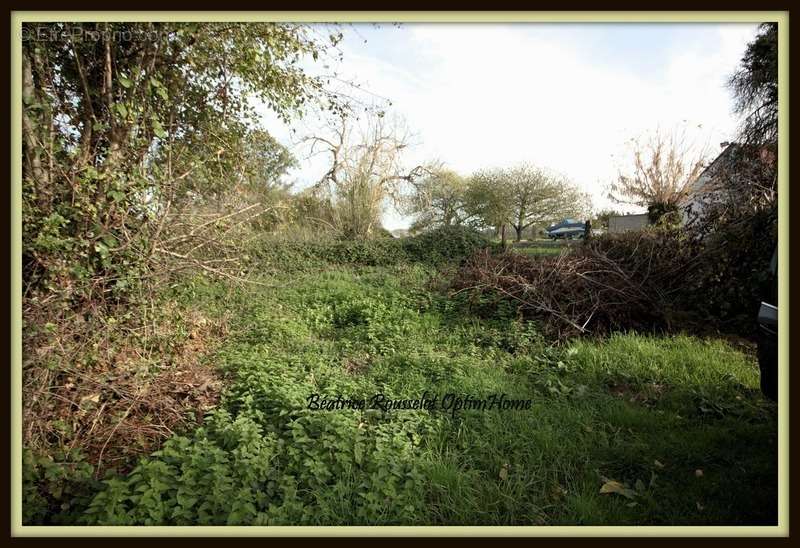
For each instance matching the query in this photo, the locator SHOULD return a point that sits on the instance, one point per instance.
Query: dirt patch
(356, 365)
(647, 394)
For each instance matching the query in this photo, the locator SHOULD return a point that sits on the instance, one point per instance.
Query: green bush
(56, 489)
(434, 247)
(445, 244)
(246, 470)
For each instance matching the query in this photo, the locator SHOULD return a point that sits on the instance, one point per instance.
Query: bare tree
(366, 171)
(665, 164)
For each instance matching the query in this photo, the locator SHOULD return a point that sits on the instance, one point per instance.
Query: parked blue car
(567, 229)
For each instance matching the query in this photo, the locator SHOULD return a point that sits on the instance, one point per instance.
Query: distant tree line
(520, 197)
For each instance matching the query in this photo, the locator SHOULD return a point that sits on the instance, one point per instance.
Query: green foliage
(244, 471)
(434, 247)
(445, 244)
(124, 122)
(601, 410)
(755, 87)
(664, 214)
(522, 197)
(264, 459)
(439, 199)
(56, 489)
(738, 225)
(313, 255)
(733, 277)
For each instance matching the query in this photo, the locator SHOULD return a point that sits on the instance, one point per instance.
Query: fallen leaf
(558, 491)
(95, 398)
(504, 472)
(658, 463)
(616, 487)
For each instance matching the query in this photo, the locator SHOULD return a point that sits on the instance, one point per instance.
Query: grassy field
(629, 430)
(540, 247)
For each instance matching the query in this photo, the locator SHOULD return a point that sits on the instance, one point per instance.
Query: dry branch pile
(630, 282)
(109, 395)
(207, 240)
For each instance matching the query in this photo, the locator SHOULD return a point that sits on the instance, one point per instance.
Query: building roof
(704, 181)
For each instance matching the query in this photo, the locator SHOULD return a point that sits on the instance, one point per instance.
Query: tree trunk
(33, 148)
(503, 235)
(518, 229)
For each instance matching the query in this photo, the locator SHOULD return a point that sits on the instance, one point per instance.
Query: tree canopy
(755, 87)
(123, 122)
(523, 196)
(439, 200)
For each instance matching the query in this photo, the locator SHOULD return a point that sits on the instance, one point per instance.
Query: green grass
(646, 412)
(538, 250)
(542, 247)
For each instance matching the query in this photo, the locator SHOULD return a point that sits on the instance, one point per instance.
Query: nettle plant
(307, 469)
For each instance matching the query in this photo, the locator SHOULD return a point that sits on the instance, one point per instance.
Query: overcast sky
(562, 96)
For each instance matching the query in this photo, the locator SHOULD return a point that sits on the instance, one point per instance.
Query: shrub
(664, 214)
(737, 224)
(731, 281)
(709, 282)
(438, 246)
(445, 244)
(274, 463)
(56, 489)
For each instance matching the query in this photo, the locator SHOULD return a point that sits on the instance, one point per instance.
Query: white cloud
(495, 95)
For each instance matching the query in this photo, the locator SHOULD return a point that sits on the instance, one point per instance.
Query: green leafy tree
(439, 200)
(490, 201)
(523, 196)
(538, 198)
(123, 123)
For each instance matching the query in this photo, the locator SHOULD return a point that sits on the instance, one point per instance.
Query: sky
(566, 97)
